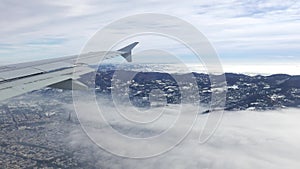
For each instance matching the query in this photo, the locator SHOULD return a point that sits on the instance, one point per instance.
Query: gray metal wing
(62, 72)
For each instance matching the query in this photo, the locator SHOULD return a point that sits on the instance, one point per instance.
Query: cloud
(48, 41)
(245, 139)
(234, 27)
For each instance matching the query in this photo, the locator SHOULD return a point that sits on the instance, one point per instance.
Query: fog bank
(244, 139)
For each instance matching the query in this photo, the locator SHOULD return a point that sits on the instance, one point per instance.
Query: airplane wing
(21, 78)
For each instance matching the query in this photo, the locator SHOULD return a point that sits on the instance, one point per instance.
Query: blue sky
(249, 31)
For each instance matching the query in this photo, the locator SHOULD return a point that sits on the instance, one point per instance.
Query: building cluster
(31, 136)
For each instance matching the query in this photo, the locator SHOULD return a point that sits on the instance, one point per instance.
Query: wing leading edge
(21, 78)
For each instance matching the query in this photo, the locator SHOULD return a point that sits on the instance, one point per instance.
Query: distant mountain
(243, 91)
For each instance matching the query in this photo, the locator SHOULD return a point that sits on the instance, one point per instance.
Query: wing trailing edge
(69, 84)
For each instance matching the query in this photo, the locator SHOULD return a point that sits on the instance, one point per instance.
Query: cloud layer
(246, 139)
(240, 30)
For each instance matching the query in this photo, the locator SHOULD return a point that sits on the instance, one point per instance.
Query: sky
(242, 32)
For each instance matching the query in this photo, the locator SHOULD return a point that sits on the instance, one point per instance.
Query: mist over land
(259, 131)
(255, 132)
(244, 139)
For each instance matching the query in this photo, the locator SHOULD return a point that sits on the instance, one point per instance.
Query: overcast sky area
(242, 32)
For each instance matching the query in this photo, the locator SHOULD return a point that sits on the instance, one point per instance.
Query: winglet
(126, 51)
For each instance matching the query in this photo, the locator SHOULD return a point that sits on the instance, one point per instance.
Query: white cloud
(234, 27)
(246, 139)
